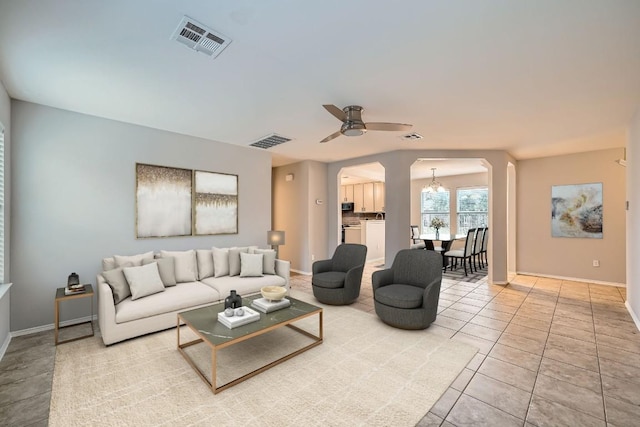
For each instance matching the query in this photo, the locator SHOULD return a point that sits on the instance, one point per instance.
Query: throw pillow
(167, 270)
(205, 263)
(250, 265)
(220, 261)
(118, 283)
(136, 260)
(144, 280)
(234, 260)
(185, 263)
(268, 261)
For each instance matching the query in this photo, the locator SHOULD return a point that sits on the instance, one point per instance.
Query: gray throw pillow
(268, 261)
(167, 269)
(143, 280)
(250, 265)
(118, 283)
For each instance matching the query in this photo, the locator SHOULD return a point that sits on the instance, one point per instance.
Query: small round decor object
(239, 312)
(273, 293)
(229, 312)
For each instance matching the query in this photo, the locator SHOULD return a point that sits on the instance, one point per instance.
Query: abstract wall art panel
(215, 203)
(163, 201)
(576, 210)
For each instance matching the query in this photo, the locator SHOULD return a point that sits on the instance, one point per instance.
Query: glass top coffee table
(203, 322)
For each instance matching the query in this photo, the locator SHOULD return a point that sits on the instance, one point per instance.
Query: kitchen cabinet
(346, 193)
(378, 196)
(367, 190)
(372, 234)
(358, 200)
(352, 235)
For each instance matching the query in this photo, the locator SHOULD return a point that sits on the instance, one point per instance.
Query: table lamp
(275, 238)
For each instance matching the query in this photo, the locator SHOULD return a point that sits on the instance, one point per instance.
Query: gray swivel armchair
(406, 295)
(337, 281)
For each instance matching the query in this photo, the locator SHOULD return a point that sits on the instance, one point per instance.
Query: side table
(60, 296)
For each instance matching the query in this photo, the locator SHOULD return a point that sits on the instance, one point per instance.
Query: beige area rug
(364, 373)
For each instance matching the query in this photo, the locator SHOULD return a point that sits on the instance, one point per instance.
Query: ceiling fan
(352, 124)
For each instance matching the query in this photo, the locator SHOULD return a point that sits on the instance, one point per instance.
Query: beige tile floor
(552, 352)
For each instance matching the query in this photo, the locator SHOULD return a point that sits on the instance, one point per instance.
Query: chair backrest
(429, 245)
(417, 268)
(347, 256)
(468, 244)
(415, 233)
(485, 239)
(477, 244)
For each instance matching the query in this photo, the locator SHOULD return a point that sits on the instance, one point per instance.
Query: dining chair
(418, 243)
(464, 254)
(483, 250)
(477, 247)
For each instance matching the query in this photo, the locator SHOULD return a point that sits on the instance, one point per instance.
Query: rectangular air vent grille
(198, 37)
(411, 136)
(270, 141)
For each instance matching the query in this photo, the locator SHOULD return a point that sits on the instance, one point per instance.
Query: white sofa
(134, 317)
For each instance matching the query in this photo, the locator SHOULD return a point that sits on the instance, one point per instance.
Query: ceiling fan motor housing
(353, 126)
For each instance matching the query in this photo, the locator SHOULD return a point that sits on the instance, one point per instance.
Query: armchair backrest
(347, 256)
(468, 244)
(416, 268)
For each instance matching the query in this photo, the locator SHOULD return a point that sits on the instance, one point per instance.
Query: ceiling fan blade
(387, 126)
(332, 136)
(336, 112)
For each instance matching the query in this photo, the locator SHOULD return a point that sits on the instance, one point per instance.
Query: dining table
(446, 240)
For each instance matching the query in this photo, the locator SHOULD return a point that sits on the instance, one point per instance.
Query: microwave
(347, 206)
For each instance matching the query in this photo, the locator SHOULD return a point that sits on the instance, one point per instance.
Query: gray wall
(633, 219)
(74, 190)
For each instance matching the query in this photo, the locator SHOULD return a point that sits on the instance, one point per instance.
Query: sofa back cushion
(136, 260)
(268, 260)
(205, 263)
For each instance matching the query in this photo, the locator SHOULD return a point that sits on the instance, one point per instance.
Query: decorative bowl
(273, 293)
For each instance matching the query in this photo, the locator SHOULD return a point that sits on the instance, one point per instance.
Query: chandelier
(435, 186)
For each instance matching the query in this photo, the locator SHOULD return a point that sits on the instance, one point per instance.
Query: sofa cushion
(184, 296)
(400, 296)
(220, 261)
(144, 280)
(329, 279)
(117, 281)
(166, 268)
(205, 263)
(136, 260)
(251, 265)
(268, 261)
(185, 263)
(234, 260)
(243, 285)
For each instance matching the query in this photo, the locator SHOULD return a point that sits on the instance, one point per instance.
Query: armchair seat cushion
(400, 296)
(329, 279)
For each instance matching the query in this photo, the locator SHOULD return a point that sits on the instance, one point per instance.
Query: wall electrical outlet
(596, 263)
(313, 257)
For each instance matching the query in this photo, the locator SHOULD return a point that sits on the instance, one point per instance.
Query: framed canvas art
(215, 203)
(163, 201)
(576, 210)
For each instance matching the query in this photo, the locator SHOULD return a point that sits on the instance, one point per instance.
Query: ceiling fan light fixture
(353, 132)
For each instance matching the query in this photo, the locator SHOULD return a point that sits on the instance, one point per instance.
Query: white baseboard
(50, 326)
(633, 315)
(575, 279)
(5, 345)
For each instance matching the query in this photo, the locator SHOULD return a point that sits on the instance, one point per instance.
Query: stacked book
(234, 321)
(267, 306)
(74, 289)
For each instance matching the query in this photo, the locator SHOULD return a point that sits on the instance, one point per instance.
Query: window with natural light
(434, 205)
(473, 208)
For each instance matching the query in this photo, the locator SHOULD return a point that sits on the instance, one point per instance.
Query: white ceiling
(535, 78)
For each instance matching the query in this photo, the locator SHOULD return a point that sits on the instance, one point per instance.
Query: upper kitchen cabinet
(346, 193)
(378, 196)
(368, 197)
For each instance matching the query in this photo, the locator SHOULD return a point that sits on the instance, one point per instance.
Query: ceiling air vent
(411, 136)
(270, 141)
(196, 36)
